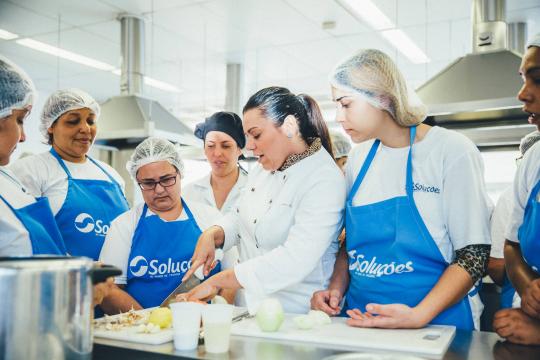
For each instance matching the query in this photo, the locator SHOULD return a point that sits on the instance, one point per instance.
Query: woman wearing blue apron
(522, 247)
(417, 214)
(153, 242)
(85, 194)
(27, 224)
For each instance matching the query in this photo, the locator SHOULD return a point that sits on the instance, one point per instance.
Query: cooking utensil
(47, 306)
(194, 280)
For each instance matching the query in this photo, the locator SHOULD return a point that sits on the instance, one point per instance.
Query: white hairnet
(17, 90)
(154, 149)
(373, 75)
(62, 101)
(528, 141)
(340, 144)
(535, 41)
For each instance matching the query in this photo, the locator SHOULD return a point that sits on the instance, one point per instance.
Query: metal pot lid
(45, 263)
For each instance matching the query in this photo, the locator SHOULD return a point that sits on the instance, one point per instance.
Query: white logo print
(85, 223)
(371, 268)
(139, 266)
(135, 268)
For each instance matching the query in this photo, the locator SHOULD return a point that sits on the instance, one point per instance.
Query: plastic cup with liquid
(217, 319)
(186, 324)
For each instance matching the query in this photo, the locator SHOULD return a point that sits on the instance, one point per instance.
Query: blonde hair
(373, 75)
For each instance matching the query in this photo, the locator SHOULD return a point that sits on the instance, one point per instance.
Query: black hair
(277, 103)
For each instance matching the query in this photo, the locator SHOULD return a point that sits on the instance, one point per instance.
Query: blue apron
(39, 221)
(88, 210)
(392, 256)
(529, 231)
(507, 293)
(160, 255)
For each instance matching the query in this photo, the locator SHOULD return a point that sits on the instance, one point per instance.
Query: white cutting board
(130, 333)
(431, 340)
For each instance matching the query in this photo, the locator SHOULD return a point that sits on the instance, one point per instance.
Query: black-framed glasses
(151, 185)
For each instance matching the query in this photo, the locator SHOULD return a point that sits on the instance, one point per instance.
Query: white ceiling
(189, 42)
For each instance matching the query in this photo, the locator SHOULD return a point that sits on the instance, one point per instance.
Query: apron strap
(61, 162)
(409, 181)
(7, 203)
(186, 208)
(363, 171)
(103, 169)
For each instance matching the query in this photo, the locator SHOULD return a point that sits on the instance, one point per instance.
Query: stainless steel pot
(46, 306)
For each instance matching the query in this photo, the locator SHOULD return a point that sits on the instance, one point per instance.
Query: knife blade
(195, 279)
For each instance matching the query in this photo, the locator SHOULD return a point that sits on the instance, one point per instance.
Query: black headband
(227, 122)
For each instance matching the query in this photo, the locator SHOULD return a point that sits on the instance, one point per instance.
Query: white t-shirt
(117, 245)
(449, 188)
(527, 176)
(43, 176)
(286, 227)
(201, 191)
(499, 220)
(14, 238)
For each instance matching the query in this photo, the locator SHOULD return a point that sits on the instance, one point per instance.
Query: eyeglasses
(151, 185)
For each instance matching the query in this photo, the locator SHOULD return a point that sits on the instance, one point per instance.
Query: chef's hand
(204, 251)
(101, 291)
(517, 327)
(392, 316)
(530, 299)
(327, 301)
(201, 293)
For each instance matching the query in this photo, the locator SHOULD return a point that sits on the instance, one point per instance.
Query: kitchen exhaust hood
(128, 119)
(480, 89)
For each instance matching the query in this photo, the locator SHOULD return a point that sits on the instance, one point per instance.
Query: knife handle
(218, 256)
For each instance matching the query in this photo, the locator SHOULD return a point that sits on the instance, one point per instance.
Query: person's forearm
(219, 235)
(453, 285)
(228, 294)
(340, 277)
(118, 301)
(496, 270)
(519, 273)
(225, 280)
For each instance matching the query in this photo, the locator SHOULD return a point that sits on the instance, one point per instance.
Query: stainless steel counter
(466, 345)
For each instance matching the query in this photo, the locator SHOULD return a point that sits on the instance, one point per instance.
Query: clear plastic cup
(217, 319)
(186, 324)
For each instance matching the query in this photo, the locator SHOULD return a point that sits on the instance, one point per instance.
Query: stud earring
(289, 135)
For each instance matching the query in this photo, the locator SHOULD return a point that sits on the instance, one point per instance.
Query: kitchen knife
(194, 280)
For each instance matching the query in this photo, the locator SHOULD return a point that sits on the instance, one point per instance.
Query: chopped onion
(270, 315)
(320, 317)
(218, 300)
(304, 322)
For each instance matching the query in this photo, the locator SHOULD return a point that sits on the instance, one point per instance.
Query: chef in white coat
(288, 218)
(85, 193)
(224, 140)
(27, 225)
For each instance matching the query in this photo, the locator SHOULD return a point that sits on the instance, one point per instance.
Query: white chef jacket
(43, 176)
(527, 176)
(117, 246)
(286, 227)
(499, 220)
(201, 191)
(14, 238)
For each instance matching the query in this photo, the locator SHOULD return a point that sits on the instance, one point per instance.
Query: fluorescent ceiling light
(161, 85)
(64, 54)
(405, 45)
(368, 12)
(6, 35)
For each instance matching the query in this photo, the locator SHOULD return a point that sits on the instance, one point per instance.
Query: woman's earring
(289, 135)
